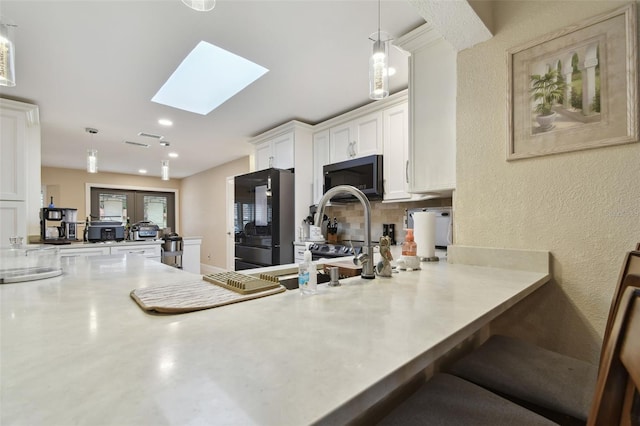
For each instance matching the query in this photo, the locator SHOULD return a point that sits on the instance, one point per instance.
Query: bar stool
(553, 384)
(447, 400)
(617, 398)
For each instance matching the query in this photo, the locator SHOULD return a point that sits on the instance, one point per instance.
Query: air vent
(150, 135)
(140, 144)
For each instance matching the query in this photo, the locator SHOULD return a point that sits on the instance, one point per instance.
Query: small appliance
(105, 230)
(172, 250)
(363, 173)
(65, 232)
(144, 230)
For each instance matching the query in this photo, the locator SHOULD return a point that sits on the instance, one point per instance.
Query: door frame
(230, 232)
(176, 192)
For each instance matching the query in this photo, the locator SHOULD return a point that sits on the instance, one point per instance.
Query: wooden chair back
(631, 266)
(617, 400)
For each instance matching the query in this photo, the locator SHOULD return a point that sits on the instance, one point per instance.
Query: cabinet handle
(406, 172)
(352, 149)
(271, 161)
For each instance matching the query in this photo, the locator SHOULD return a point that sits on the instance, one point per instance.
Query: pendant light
(378, 63)
(92, 154)
(7, 54)
(200, 5)
(165, 169)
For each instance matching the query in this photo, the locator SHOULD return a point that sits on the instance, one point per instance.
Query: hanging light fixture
(200, 5)
(379, 63)
(92, 154)
(7, 54)
(165, 169)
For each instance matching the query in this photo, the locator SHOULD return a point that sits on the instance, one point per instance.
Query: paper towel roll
(424, 231)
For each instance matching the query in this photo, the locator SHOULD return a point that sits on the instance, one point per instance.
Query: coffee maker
(64, 229)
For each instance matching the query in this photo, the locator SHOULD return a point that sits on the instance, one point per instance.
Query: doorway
(135, 205)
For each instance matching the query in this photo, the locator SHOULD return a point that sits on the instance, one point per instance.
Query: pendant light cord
(379, 20)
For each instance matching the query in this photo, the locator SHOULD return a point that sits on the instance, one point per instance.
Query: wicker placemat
(195, 295)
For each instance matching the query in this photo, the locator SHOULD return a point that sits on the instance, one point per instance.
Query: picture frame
(575, 88)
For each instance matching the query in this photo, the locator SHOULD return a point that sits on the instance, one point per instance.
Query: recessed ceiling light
(173, 154)
(150, 135)
(142, 171)
(206, 78)
(140, 144)
(165, 122)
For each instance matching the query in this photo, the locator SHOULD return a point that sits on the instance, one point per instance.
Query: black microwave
(364, 173)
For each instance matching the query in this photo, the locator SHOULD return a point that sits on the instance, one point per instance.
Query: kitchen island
(76, 349)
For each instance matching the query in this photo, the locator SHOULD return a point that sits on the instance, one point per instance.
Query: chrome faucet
(366, 257)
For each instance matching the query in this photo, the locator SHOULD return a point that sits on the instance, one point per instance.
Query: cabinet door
(368, 136)
(84, 251)
(13, 223)
(148, 250)
(320, 158)
(432, 149)
(264, 156)
(396, 148)
(12, 155)
(283, 154)
(342, 142)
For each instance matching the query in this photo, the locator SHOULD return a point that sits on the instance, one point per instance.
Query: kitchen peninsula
(76, 349)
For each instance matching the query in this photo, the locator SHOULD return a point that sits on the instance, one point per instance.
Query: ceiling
(95, 63)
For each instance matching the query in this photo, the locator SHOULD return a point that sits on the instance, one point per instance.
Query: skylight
(206, 78)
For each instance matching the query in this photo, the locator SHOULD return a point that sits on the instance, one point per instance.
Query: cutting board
(347, 268)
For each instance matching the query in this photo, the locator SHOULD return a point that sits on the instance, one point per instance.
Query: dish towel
(189, 296)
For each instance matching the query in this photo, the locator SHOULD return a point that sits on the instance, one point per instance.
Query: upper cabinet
(359, 137)
(432, 111)
(380, 127)
(276, 152)
(289, 146)
(396, 152)
(19, 170)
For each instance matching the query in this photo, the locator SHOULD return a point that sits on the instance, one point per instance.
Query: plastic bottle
(307, 275)
(409, 247)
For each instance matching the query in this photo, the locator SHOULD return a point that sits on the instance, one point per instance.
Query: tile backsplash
(351, 219)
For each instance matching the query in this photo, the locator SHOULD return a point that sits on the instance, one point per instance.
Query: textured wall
(584, 207)
(203, 213)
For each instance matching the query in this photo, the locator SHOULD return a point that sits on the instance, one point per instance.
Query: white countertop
(76, 349)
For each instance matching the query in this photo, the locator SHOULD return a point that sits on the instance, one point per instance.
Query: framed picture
(576, 88)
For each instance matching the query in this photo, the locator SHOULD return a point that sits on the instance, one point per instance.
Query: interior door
(231, 253)
(118, 205)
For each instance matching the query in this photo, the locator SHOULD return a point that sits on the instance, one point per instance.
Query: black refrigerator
(264, 218)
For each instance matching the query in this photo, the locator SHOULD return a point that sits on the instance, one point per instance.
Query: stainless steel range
(328, 251)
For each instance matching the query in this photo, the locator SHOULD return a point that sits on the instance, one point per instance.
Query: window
(119, 204)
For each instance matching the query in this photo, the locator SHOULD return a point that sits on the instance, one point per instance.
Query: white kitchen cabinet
(357, 138)
(396, 152)
(432, 111)
(146, 250)
(19, 170)
(191, 254)
(13, 215)
(85, 250)
(291, 146)
(320, 159)
(277, 152)
(149, 249)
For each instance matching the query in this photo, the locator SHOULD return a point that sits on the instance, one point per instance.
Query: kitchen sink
(292, 282)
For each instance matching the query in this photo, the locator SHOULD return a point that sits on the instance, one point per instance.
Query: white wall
(583, 206)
